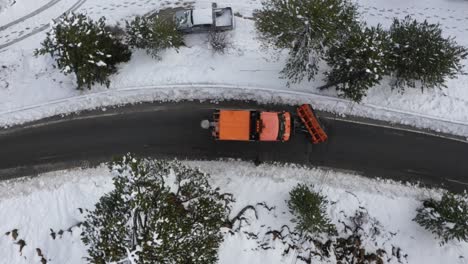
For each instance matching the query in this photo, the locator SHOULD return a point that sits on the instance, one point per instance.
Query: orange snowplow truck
(253, 125)
(248, 125)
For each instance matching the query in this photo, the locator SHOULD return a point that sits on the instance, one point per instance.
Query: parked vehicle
(204, 20)
(254, 125)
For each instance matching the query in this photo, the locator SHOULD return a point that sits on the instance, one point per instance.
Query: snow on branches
(159, 212)
(84, 47)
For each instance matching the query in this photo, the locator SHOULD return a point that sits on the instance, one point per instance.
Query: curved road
(170, 129)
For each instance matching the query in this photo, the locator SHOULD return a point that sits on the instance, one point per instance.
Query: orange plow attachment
(310, 121)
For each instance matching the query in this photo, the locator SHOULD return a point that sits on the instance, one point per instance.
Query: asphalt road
(173, 130)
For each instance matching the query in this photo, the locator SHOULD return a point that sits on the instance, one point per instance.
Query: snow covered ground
(4, 4)
(26, 81)
(37, 206)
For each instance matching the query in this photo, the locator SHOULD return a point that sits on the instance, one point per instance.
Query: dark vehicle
(204, 20)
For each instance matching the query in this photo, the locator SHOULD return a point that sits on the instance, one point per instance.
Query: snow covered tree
(84, 47)
(306, 28)
(358, 62)
(421, 56)
(159, 212)
(309, 211)
(153, 34)
(447, 218)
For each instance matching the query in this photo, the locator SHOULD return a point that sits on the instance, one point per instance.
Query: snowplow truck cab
(248, 125)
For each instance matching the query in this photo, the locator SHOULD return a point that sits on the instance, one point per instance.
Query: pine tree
(84, 47)
(358, 62)
(421, 56)
(159, 212)
(309, 211)
(153, 34)
(306, 28)
(447, 218)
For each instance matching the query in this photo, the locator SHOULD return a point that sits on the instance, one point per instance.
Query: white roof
(202, 16)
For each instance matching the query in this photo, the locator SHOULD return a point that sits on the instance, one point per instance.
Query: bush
(84, 47)
(159, 212)
(153, 34)
(309, 211)
(421, 54)
(358, 62)
(447, 218)
(306, 28)
(219, 41)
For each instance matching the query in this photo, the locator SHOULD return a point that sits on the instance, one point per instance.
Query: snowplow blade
(311, 123)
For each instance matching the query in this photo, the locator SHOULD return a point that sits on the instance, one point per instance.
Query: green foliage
(306, 28)
(159, 212)
(84, 47)
(420, 54)
(153, 34)
(447, 218)
(309, 211)
(358, 62)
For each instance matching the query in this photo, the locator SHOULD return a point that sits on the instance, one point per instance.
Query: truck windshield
(282, 126)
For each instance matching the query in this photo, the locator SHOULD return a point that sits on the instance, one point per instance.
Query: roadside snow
(27, 81)
(51, 201)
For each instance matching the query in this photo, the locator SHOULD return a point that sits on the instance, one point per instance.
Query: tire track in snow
(36, 12)
(75, 6)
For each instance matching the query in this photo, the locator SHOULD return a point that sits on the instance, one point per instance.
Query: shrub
(306, 28)
(309, 211)
(420, 54)
(159, 212)
(447, 218)
(84, 47)
(219, 41)
(358, 62)
(153, 34)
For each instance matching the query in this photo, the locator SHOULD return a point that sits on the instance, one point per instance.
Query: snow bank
(51, 201)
